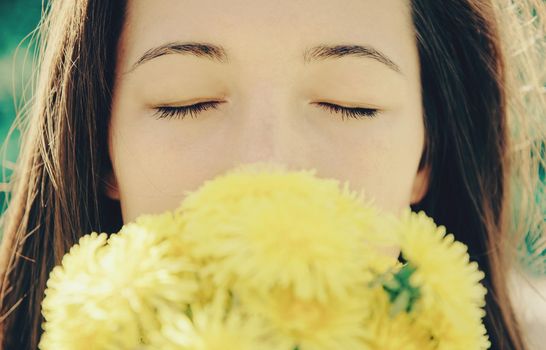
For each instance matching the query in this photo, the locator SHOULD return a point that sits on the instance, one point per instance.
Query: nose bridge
(267, 131)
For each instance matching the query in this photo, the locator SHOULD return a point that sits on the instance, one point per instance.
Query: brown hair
(466, 86)
(57, 185)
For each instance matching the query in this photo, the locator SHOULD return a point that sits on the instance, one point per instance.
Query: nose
(269, 131)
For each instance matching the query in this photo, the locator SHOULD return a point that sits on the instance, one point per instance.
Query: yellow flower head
(106, 290)
(219, 325)
(264, 258)
(399, 332)
(276, 228)
(452, 298)
(309, 323)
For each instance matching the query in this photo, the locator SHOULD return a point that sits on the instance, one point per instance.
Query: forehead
(259, 31)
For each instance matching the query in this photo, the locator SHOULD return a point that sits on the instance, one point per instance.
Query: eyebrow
(219, 54)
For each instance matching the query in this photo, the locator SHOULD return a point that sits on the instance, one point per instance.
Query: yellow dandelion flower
(311, 324)
(168, 227)
(74, 317)
(216, 326)
(454, 332)
(105, 291)
(149, 271)
(272, 228)
(163, 226)
(264, 258)
(452, 296)
(399, 332)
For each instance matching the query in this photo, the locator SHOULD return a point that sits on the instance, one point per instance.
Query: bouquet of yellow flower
(265, 258)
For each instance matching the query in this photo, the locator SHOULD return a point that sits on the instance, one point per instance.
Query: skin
(268, 93)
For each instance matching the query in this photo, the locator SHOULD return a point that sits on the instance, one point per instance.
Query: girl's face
(274, 71)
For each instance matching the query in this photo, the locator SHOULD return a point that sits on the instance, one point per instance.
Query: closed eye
(169, 112)
(349, 112)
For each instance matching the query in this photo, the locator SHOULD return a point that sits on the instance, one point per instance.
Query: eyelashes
(168, 112)
(180, 112)
(347, 112)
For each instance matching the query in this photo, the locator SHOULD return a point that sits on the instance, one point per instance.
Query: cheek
(156, 164)
(384, 161)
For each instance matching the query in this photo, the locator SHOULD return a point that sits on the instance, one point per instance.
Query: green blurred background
(17, 19)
